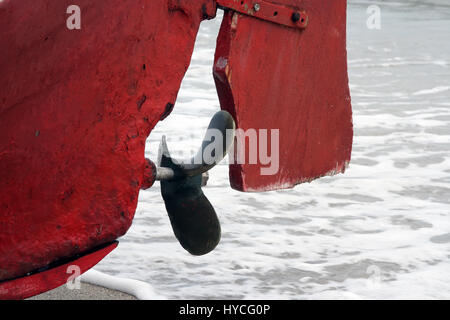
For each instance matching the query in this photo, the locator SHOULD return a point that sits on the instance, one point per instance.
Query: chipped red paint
(29, 286)
(272, 77)
(76, 107)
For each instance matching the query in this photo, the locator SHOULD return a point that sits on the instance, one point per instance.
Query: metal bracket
(264, 10)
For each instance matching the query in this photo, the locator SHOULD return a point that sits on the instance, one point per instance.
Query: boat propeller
(193, 218)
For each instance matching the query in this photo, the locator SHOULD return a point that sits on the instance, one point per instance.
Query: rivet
(256, 7)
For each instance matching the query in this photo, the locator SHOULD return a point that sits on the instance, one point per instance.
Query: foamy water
(381, 230)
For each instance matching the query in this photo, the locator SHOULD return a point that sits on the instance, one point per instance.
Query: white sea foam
(432, 91)
(136, 288)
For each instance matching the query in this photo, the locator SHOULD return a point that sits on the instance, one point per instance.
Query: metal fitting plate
(264, 10)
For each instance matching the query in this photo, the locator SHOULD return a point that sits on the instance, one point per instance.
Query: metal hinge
(267, 11)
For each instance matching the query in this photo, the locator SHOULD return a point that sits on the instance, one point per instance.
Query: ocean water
(380, 231)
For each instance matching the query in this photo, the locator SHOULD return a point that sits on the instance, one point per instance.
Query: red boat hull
(29, 286)
(76, 107)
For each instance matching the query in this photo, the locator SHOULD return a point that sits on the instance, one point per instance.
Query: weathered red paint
(76, 107)
(269, 76)
(29, 286)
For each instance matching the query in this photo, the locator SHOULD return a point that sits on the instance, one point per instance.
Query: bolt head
(296, 17)
(256, 7)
